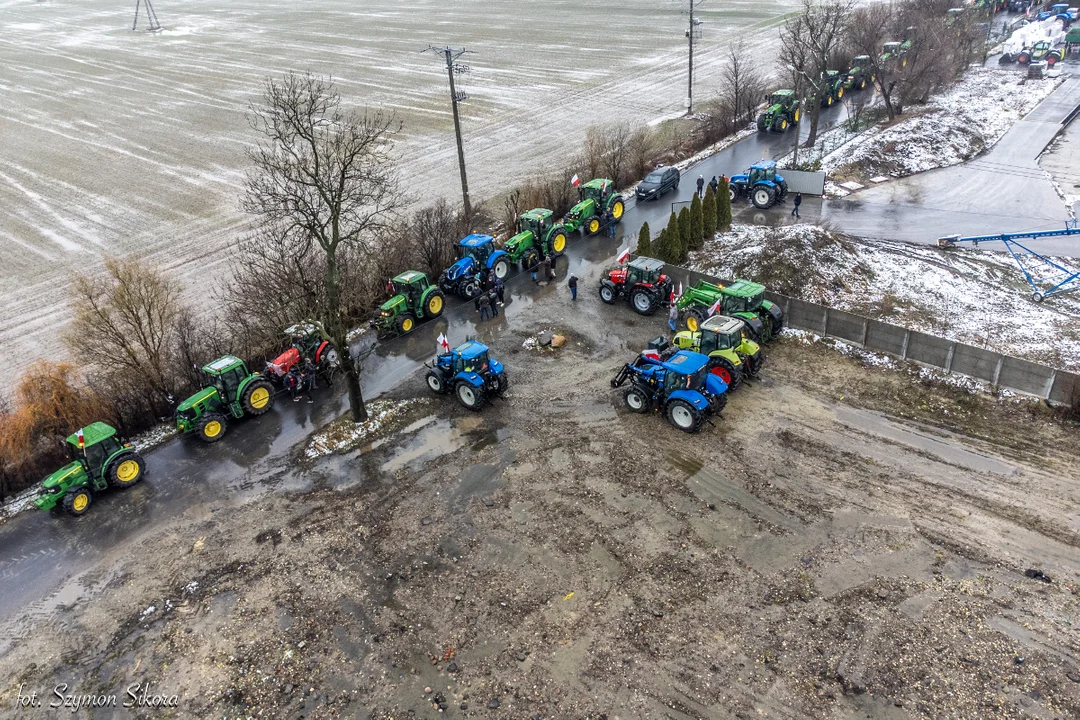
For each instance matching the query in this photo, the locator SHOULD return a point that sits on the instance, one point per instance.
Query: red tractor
(307, 344)
(642, 282)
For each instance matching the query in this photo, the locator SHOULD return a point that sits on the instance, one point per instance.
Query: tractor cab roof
(599, 184)
(409, 277)
(764, 165)
(300, 329)
(476, 240)
(860, 59)
(92, 434)
(222, 365)
(470, 349)
(783, 93)
(686, 362)
(723, 324)
(538, 214)
(743, 288)
(894, 45)
(645, 264)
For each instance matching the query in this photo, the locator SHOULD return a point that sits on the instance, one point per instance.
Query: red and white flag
(444, 344)
(623, 256)
(79, 437)
(575, 181)
(716, 307)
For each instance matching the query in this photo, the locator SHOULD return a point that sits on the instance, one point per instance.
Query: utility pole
(453, 67)
(151, 16)
(692, 34)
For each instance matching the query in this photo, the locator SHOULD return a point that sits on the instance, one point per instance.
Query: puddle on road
(436, 437)
(939, 443)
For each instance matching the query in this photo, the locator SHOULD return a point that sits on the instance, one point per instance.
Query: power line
(456, 96)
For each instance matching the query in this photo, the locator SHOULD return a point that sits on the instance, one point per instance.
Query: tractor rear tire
(694, 318)
(733, 192)
(558, 242)
(637, 399)
(607, 294)
(435, 382)
(469, 290)
(782, 191)
(212, 427)
(501, 268)
(436, 303)
(469, 396)
(616, 210)
(682, 415)
(723, 369)
(406, 323)
(593, 226)
(258, 397)
(762, 198)
(77, 502)
(502, 384)
(643, 301)
(125, 471)
(530, 259)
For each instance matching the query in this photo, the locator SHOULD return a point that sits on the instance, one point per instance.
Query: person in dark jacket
(797, 201)
(500, 286)
(714, 184)
(484, 304)
(700, 185)
(571, 282)
(292, 383)
(493, 302)
(548, 274)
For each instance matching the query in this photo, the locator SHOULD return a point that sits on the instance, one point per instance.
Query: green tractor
(892, 52)
(732, 355)
(861, 73)
(600, 203)
(230, 390)
(414, 298)
(99, 460)
(832, 87)
(539, 236)
(783, 110)
(742, 299)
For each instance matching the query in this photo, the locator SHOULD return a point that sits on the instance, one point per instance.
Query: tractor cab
(99, 443)
(783, 98)
(742, 296)
(225, 375)
(889, 52)
(685, 370)
(305, 338)
(411, 285)
(721, 333)
(478, 248)
(764, 170)
(537, 221)
(860, 61)
(597, 190)
(470, 356)
(646, 271)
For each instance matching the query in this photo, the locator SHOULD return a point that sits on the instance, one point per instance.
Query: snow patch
(343, 435)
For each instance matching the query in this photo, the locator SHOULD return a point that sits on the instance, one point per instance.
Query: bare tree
(326, 179)
(866, 31)
(126, 323)
(742, 86)
(435, 230)
(809, 40)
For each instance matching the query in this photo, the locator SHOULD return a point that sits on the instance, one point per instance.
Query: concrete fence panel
(929, 350)
(1066, 388)
(1027, 377)
(847, 326)
(975, 362)
(886, 338)
(803, 315)
(808, 183)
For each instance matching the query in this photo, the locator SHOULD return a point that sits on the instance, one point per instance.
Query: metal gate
(807, 183)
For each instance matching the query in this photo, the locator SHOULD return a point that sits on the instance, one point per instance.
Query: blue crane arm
(951, 240)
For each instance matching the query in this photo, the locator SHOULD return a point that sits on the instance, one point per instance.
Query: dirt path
(809, 556)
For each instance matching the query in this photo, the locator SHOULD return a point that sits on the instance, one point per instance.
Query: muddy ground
(556, 557)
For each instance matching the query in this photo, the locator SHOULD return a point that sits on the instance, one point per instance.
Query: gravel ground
(845, 540)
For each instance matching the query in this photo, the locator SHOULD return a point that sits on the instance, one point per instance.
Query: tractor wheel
(828, 100)
(433, 308)
(762, 197)
(330, 357)
(782, 192)
(761, 124)
(733, 193)
(406, 323)
(637, 399)
(694, 318)
(682, 415)
(718, 403)
(470, 289)
(607, 294)
(750, 332)
(125, 471)
(530, 259)
(501, 268)
(77, 502)
(903, 62)
(781, 126)
(502, 384)
(839, 93)
(593, 226)
(258, 397)
(470, 396)
(212, 427)
(795, 116)
(558, 242)
(435, 382)
(643, 301)
(873, 77)
(862, 83)
(617, 209)
(723, 369)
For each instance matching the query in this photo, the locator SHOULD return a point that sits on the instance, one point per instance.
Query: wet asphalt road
(45, 558)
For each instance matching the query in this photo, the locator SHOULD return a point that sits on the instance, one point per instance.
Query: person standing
(547, 269)
(292, 383)
(534, 268)
(797, 202)
(571, 282)
(714, 184)
(673, 317)
(701, 185)
(484, 303)
(493, 301)
(499, 288)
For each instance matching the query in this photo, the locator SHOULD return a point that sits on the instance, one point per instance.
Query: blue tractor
(681, 386)
(761, 183)
(478, 253)
(469, 373)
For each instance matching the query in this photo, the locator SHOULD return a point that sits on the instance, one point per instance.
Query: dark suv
(658, 182)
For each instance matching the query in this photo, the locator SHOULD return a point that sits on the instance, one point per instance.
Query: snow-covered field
(117, 142)
(977, 297)
(953, 127)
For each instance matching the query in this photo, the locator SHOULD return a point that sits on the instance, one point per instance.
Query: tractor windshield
(227, 384)
(479, 253)
(477, 364)
(95, 457)
(776, 99)
(713, 340)
(681, 381)
(756, 174)
(754, 301)
(401, 288)
(734, 304)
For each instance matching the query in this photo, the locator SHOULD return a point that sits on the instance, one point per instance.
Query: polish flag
(716, 307)
(444, 344)
(575, 181)
(623, 256)
(80, 439)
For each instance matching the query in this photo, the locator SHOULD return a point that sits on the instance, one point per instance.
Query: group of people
(300, 380)
(714, 184)
(490, 298)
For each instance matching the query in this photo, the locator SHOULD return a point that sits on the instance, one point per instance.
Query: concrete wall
(994, 369)
(808, 183)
